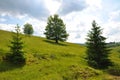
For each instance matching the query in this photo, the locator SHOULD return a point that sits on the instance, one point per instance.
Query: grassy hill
(49, 61)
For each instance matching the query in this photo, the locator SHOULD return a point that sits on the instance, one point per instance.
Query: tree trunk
(56, 40)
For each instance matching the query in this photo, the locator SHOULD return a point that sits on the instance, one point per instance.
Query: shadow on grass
(51, 42)
(6, 66)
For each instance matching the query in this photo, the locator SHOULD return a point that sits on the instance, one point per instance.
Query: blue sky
(76, 14)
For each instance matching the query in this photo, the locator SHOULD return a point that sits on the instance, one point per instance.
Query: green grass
(49, 61)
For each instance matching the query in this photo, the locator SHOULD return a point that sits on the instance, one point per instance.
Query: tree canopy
(28, 29)
(55, 29)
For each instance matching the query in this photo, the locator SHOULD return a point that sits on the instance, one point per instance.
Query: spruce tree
(16, 48)
(55, 29)
(97, 51)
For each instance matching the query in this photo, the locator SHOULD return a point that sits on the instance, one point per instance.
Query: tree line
(97, 50)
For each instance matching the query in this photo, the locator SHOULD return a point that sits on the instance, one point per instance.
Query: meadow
(47, 60)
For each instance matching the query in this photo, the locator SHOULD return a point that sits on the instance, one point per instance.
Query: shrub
(15, 59)
(114, 70)
(75, 73)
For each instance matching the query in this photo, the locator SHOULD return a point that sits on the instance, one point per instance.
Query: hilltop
(49, 61)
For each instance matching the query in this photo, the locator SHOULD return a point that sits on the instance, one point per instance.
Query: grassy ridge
(49, 61)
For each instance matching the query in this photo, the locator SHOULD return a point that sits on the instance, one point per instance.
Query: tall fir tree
(97, 51)
(16, 48)
(55, 29)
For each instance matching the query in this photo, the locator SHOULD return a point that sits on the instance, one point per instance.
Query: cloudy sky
(76, 14)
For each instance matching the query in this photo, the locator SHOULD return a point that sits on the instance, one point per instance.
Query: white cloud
(79, 23)
(76, 14)
(2, 19)
(52, 6)
(95, 3)
(112, 27)
(33, 8)
(69, 6)
(114, 16)
(8, 27)
(112, 31)
(21, 16)
(38, 26)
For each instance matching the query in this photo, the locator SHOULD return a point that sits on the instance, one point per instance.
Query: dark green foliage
(2, 54)
(16, 55)
(97, 51)
(55, 29)
(28, 29)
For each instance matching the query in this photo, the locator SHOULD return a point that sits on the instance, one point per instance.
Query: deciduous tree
(55, 29)
(28, 29)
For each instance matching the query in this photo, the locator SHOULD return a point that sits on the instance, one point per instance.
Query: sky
(76, 14)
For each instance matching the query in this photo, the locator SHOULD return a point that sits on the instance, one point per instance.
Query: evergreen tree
(28, 29)
(97, 51)
(55, 29)
(16, 53)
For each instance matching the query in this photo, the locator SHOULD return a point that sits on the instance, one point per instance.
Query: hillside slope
(49, 61)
